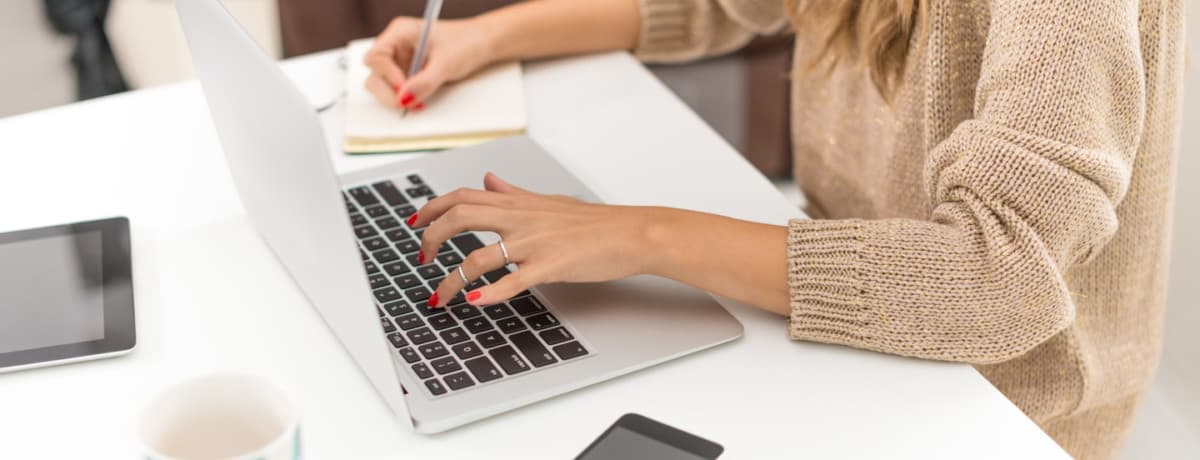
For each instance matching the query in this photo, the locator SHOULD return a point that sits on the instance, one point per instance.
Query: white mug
(224, 416)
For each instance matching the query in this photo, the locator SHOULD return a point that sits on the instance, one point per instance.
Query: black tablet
(635, 437)
(66, 294)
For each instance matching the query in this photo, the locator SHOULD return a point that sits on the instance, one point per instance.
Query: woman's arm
(544, 28)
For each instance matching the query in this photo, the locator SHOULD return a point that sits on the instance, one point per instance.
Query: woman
(992, 178)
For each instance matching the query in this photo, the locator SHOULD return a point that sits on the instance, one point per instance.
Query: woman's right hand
(456, 49)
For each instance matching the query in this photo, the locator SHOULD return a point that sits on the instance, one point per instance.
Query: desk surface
(210, 296)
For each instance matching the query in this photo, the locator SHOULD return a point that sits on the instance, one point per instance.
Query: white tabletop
(210, 297)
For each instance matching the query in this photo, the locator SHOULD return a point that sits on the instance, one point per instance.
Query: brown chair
(762, 134)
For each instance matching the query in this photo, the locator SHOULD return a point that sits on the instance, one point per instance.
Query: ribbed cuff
(825, 282)
(665, 29)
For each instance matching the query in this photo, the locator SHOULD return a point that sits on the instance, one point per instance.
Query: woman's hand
(456, 49)
(561, 239)
(551, 239)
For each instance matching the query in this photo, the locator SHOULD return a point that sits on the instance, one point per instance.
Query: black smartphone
(634, 437)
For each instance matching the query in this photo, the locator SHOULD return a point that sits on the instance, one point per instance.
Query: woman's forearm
(741, 260)
(543, 28)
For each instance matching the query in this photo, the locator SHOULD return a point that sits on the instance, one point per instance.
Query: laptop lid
(276, 150)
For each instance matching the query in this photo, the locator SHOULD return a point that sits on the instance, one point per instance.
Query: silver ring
(462, 275)
(504, 250)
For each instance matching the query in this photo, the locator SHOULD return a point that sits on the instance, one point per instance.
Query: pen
(433, 8)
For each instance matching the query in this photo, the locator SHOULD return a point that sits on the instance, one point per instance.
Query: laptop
(344, 242)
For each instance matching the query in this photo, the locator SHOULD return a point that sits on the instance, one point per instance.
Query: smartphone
(634, 437)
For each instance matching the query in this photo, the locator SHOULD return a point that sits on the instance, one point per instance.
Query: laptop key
(433, 350)
(467, 350)
(542, 321)
(398, 308)
(435, 387)
(407, 247)
(378, 280)
(483, 369)
(418, 191)
(496, 274)
(409, 355)
(497, 311)
(509, 360)
(407, 281)
(387, 325)
(466, 243)
(441, 322)
(532, 348)
(390, 193)
(422, 370)
(417, 294)
(570, 350)
(386, 294)
(396, 268)
(465, 311)
(435, 282)
(555, 336)
(415, 179)
(387, 222)
(371, 267)
(526, 306)
(445, 365)
(397, 234)
(363, 196)
(454, 335)
(385, 256)
(420, 336)
(449, 259)
(397, 340)
(459, 381)
(478, 283)
(357, 219)
(491, 339)
(427, 310)
(409, 322)
(365, 231)
(374, 244)
(405, 211)
(376, 211)
(510, 325)
(477, 324)
(430, 271)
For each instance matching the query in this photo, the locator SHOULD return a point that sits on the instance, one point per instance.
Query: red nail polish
(474, 295)
(406, 98)
(433, 300)
(419, 107)
(420, 256)
(412, 219)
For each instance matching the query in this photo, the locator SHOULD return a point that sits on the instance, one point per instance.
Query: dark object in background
(96, 70)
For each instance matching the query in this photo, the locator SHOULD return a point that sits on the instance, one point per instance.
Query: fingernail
(474, 295)
(406, 98)
(419, 107)
(420, 256)
(433, 300)
(412, 219)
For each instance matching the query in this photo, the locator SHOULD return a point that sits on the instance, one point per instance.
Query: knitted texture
(1009, 208)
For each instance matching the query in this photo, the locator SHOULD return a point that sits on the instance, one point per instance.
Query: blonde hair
(873, 34)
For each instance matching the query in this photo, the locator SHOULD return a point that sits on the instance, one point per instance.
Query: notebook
(489, 105)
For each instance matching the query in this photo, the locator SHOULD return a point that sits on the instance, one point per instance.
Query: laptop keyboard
(459, 346)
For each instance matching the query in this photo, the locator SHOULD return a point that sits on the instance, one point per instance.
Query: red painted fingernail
(474, 295)
(433, 300)
(419, 107)
(421, 256)
(412, 219)
(406, 98)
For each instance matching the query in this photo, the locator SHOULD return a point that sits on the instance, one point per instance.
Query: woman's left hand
(551, 239)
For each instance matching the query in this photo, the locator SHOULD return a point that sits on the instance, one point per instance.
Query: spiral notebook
(489, 105)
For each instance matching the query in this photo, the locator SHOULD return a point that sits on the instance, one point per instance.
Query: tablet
(66, 294)
(634, 437)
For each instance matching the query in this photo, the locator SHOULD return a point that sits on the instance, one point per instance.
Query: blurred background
(57, 52)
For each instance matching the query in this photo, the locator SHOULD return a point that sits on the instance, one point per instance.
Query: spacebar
(532, 348)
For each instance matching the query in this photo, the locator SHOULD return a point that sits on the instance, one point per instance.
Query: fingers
(421, 86)
(494, 183)
(391, 50)
(477, 263)
(507, 287)
(459, 219)
(435, 208)
(379, 88)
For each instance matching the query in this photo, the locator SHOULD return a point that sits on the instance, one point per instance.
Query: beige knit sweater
(1010, 209)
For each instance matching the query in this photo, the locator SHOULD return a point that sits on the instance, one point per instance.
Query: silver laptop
(344, 242)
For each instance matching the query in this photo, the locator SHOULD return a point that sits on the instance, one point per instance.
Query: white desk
(210, 297)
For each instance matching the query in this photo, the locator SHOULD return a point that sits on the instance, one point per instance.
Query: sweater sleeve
(682, 30)
(1020, 193)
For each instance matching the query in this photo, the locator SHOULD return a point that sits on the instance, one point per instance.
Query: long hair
(873, 34)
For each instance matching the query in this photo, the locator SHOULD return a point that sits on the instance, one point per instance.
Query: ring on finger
(463, 276)
(504, 250)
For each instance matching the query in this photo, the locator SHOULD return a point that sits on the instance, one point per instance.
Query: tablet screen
(623, 444)
(51, 291)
